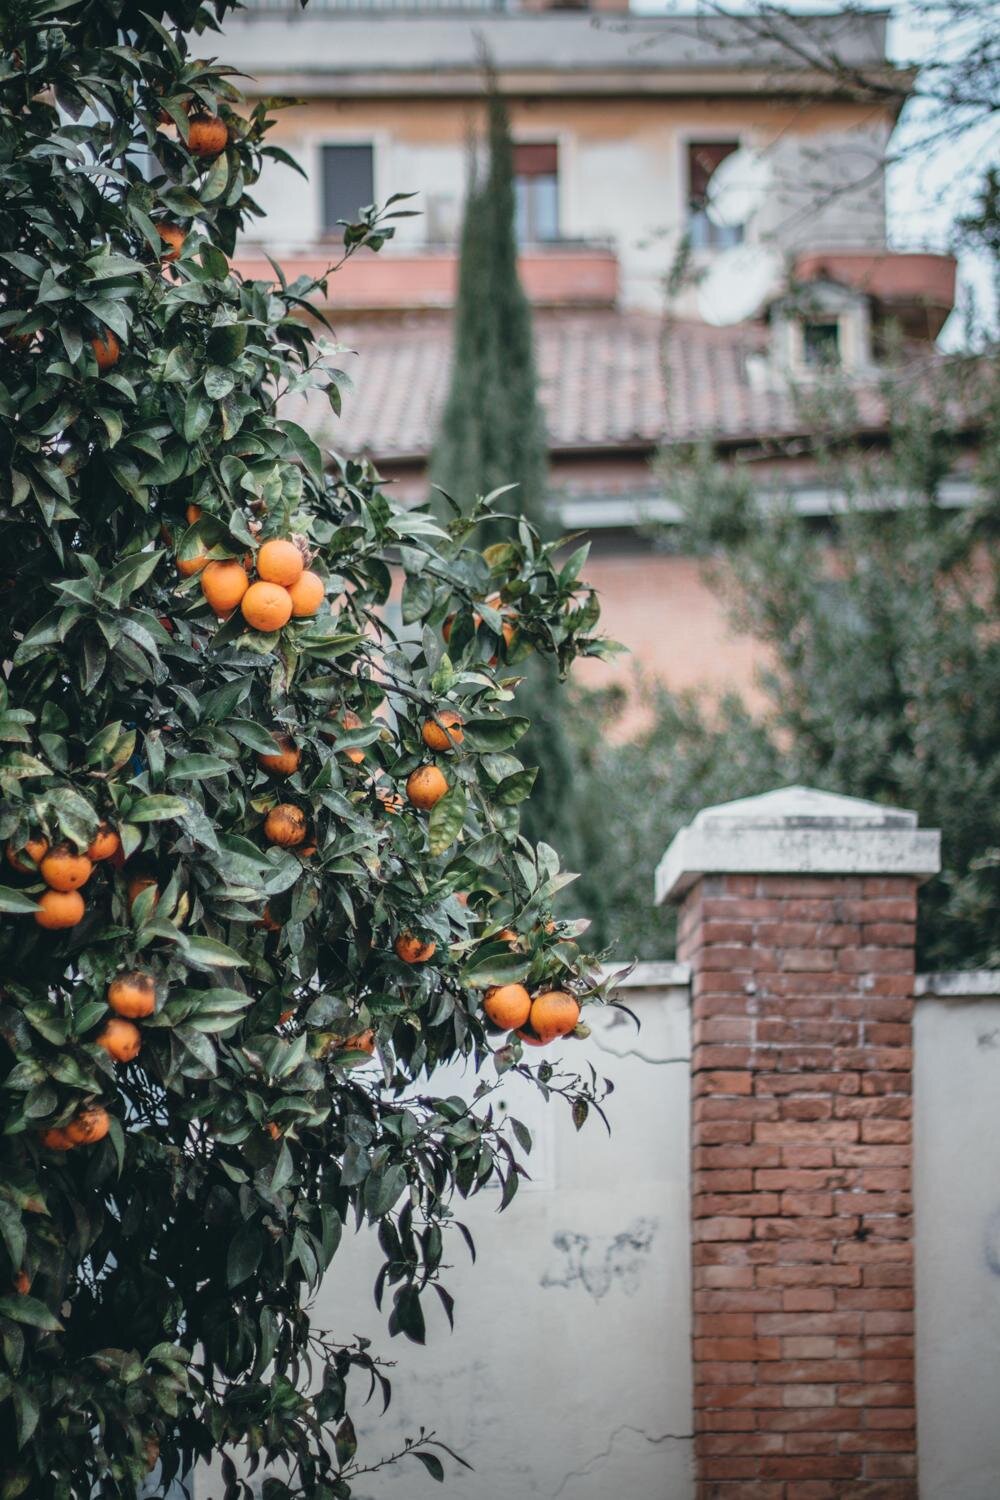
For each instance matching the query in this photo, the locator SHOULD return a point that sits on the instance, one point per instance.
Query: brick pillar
(797, 917)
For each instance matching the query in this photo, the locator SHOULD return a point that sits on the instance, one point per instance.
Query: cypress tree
(493, 435)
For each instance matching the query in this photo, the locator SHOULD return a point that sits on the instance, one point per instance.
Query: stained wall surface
(957, 1197)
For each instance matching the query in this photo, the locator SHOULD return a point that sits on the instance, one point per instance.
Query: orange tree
(263, 860)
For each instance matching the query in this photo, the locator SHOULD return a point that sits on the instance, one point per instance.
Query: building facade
(623, 126)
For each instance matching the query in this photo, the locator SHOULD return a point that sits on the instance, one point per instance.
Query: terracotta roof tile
(607, 379)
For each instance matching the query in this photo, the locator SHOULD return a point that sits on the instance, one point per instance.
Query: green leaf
(207, 953)
(245, 1253)
(498, 733)
(500, 968)
(156, 809)
(30, 1310)
(16, 901)
(447, 819)
(431, 1463)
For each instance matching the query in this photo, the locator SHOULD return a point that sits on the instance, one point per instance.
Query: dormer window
(821, 328)
(821, 343)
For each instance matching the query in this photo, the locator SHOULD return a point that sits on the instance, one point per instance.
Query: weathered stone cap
(797, 830)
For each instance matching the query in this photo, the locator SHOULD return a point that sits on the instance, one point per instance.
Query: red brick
(891, 1466)
(813, 1205)
(715, 1157)
(808, 1299)
(728, 1396)
(710, 1300)
(885, 1131)
(744, 1205)
(841, 1419)
(901, 1418)
(846, 1467)
(723, 1083)
(722, 1028)
(874, 1395)
(718, 1132)
(732, 1181)
(794, 1133)
(736, 1349)
(722, 1229)
(716, 1443)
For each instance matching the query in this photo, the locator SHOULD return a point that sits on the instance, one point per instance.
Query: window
(702, 160)
(536, 192)
(348, 183)
(821, 344)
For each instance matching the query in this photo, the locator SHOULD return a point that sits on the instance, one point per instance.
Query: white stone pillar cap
(797, 830)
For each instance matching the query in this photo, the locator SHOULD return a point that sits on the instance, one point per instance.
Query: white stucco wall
(568, 1375)
(957, 1200)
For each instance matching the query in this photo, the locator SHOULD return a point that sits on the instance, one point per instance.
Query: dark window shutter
(536, 159)
(348, 182)
(703, 158)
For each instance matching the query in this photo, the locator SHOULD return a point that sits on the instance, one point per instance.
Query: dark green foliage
(169, 1263)
(493, 430)
(493, 434)
(883, 630)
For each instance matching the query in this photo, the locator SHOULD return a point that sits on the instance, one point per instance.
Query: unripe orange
(192, 513)
(507, 1005)
(133, 995)
(285, 825)
(425, 786)
(120, 1039)
(279, 561)
(266, 606)
(444, 731)
(223, 584)
(58, 909)
(307, 594)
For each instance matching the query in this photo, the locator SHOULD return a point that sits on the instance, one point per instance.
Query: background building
(620, 123)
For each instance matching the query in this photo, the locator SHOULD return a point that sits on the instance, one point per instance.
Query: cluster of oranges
(64, 871)
(284, 588)
(538, 1020)
(508, 626)
(131, 997)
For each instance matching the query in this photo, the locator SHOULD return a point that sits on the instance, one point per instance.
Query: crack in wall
(656, 1062)
(605, 1453)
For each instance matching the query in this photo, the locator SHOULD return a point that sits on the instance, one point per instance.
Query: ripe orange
(208, 136)
(350, 720)
(224, 583)
(35, 849)
(107, 350)
(22, 1283)
(444, 731)
(554, 1013)
(192, 513)
(411, 950)
(55, 1139)
(59, 909)
(120, 1040)
(137, 885)
(281, 562)
(105, 844)
(64, 870)
(151, 1452)
(307, 594)
(174, 236)
(266, 606)
(273, 1130)
(507, 1005)
(285, 825)
(425, 786)
(90, 1125)
(268, 922)
(187, 567)
(286, 761)
(364, 1041)
(133, 995)
(391, 801)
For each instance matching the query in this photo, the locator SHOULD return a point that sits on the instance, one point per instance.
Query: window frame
(346, 142)
(716, 237)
